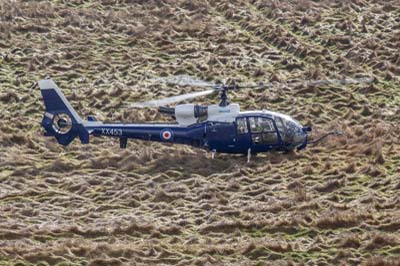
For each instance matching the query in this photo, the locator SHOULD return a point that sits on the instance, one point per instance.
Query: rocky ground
(152, 204)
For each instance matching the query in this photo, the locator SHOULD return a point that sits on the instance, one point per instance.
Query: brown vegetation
(332, 204)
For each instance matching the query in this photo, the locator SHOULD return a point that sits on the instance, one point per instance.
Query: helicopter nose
(299, 137)
(302, 137)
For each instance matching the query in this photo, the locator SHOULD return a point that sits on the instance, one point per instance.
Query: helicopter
(219, 128)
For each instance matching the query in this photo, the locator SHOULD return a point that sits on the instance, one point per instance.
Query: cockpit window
(260, 124)
(287, 128)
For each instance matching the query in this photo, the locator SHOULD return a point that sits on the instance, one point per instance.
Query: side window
(263, 130)
(266, 124)
(241, 125)
(255, 126)
(260, 124)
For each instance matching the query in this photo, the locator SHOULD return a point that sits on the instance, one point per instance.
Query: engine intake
(166, 110)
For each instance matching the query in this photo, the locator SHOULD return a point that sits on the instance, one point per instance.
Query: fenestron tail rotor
(184, 80)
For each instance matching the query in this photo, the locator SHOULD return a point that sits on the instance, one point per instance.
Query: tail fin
(60, 119)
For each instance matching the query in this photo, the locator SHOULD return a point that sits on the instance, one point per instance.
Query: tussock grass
(155, 204)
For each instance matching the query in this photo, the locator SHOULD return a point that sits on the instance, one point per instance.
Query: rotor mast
(224, 95)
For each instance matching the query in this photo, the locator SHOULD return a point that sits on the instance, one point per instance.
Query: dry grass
(155, 204)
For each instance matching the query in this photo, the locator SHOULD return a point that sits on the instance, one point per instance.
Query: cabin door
(264, 135)
(243, 137)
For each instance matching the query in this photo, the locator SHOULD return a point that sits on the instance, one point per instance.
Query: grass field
(333, 204)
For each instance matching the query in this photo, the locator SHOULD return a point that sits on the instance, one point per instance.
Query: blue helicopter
(221, 128)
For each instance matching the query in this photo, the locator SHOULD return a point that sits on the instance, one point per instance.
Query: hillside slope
(158, 204)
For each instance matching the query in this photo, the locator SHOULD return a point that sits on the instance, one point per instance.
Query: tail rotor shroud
(62, 123)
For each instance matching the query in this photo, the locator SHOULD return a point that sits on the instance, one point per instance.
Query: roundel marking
(166, 134)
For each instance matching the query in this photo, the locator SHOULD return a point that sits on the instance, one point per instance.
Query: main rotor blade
(184, 80)
(309, 83)
(335, 81)
(169, 100)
